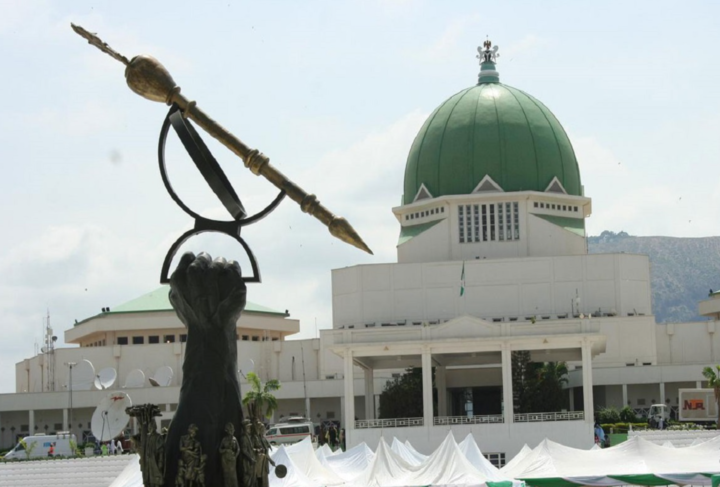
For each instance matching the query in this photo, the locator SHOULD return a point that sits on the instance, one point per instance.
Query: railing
(643, 412)
(541, 417)
(458, 420)
(451, 420)
(388, 423)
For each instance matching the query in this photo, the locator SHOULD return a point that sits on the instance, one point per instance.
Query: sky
(334, 93)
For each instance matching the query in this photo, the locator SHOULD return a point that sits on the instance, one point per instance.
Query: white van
(296, 429)
(60, 443)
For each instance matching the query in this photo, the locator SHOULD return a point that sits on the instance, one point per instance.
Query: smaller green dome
(495, 130)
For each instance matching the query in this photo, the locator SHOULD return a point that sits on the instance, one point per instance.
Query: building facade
(491, 259)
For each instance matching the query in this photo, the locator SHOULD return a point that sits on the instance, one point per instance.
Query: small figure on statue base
(248, 455)
(191, 468)
(229, 451)
(149, 444)
(262, 454)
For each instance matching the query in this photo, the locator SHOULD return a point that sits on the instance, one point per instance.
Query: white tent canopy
(636, 461)
(396, 466)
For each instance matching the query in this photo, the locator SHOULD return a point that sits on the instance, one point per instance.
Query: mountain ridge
(682, 270)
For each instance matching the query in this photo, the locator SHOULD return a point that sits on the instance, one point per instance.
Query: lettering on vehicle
(694, 404)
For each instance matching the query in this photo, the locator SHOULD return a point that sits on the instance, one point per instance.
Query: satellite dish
(136, 378)
(281, 471)
(83, 376)
(163, 377)
(110, 418)
(247, 366)
(105, 378)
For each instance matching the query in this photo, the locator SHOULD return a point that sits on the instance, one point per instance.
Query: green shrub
(622, 428)
(609, 415)
(627, 415)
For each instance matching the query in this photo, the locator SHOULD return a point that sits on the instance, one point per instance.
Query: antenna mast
(307, 401)
(50, 353)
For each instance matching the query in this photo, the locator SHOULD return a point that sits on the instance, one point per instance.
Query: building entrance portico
(465, 354)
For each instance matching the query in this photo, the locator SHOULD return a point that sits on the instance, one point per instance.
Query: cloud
(528, 43)
(93, 117)
(74, 270)
(447, 43)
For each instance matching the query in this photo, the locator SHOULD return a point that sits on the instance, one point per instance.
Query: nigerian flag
(462, 280)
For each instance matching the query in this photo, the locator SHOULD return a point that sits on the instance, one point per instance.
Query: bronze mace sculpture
(147, 77)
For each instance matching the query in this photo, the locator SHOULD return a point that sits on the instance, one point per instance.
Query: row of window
(153, 339)
(497, 459)
(140, 340)
(554, 206)
(255, 338)
(422, 214)
(489, 222)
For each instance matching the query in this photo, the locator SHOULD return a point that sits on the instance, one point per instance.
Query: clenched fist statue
(208, 296)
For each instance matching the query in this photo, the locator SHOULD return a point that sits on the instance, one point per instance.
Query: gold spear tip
(94, 40)
(340, 228)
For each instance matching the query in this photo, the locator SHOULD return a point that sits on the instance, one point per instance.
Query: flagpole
(462, 288)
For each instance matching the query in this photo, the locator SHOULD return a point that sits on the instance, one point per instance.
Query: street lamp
(70, 387)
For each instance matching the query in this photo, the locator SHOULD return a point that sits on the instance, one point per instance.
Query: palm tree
(260, 401)
(713, 380)
(551, 382)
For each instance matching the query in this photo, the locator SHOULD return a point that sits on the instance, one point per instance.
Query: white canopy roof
(638, 458)
(396, 466)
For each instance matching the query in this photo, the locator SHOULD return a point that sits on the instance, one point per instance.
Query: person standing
(333, 437)
(118, 447)
(229, 451)
(51, 450)
(112, 447)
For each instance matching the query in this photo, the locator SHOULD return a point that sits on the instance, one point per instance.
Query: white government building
(491, 258)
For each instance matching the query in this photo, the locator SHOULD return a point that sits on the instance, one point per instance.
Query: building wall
(491, 438)
(547, 239)
(688, 343)
(537, 237)
(517, 288)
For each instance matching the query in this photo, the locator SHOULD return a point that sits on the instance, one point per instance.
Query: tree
(402, 396)
(260, 401)
(538, 386)
(551, 381)
(713, 380)
(28, 448)
(524, 381)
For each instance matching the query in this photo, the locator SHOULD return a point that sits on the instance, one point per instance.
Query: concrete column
(308, 412)
(508, 407)
(369, 394)
(587, 382)
(624, 395)
(441, 384)
(662, 393)
(427, 388)
(571, 399)
(31, 422)
(66, 426)
(698, 384)
(342, 412)
(349, 380)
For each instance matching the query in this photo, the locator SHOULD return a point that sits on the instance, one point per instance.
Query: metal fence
(542, 417)
(485, 419)
(458, 420)
(388, 423)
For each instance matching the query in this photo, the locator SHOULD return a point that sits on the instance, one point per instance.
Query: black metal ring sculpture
(218, 182)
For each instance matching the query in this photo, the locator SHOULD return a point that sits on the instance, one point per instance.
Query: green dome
(490, 129)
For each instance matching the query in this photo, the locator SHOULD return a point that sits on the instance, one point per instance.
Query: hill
(683, 270)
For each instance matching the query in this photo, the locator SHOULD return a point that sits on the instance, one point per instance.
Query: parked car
(40, 446)
(292, 431)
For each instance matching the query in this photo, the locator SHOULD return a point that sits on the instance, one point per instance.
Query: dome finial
(488, 54)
